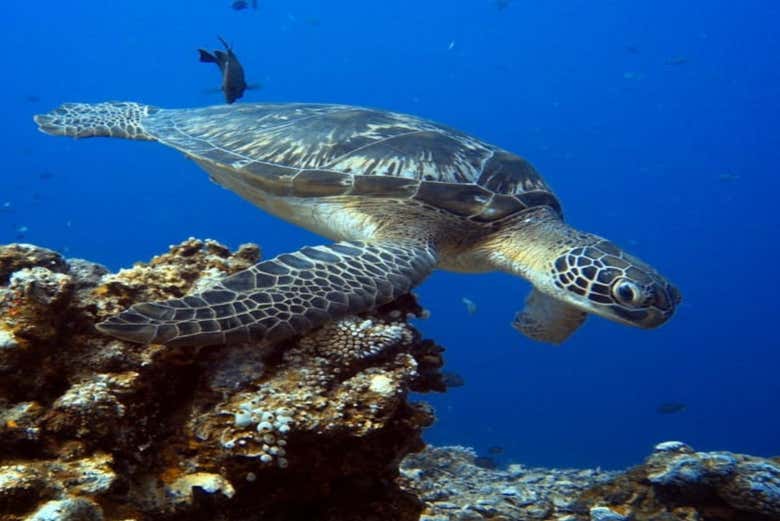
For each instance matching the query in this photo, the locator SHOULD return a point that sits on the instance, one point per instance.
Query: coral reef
(93, 428)
(687, 485)
(454, 488)
(318, 428)
(674, 484)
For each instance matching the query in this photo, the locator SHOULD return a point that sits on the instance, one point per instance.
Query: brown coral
(93, 428)
(225, 432)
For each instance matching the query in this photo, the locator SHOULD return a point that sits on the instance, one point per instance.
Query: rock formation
(313, 429)
(96, 428)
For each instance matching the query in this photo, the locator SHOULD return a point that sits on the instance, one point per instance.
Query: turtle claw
(123, 327)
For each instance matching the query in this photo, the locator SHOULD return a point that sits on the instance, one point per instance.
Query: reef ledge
(320, 427)
(96, 428)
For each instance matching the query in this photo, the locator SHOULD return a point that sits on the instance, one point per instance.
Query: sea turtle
(401, 196)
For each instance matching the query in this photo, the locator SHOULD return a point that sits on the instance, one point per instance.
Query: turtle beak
(663, 301)
(666, 301)
(674, 295)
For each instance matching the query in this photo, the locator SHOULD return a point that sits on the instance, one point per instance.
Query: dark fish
(32, 98)
(254, 4)
(495, 450)
(728, 177)
(671, 408)
(45, 175)
(502, 4)
(452, 379)
(233, 82)
(677, 60)
(485, 462)
(21, 232)
(239, 5)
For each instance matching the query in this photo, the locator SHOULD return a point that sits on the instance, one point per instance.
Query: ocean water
(655, 122)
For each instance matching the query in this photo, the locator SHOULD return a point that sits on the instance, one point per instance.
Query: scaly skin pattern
(583, 270)
(403, 195)
(112, 119)
(276, 299)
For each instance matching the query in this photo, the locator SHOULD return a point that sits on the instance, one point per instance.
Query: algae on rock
(93, 426)
(314, 428)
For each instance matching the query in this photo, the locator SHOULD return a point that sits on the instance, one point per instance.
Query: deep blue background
(655, 122)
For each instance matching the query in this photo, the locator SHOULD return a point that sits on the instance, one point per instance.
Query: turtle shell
(306, 150)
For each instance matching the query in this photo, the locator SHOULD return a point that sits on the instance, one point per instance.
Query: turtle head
(575, 274)
(600, 278)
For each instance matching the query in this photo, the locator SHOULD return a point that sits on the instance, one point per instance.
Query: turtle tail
(109, 119)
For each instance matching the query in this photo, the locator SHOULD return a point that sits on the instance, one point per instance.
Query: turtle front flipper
(281, 297)
(547, 319)
(121, 119)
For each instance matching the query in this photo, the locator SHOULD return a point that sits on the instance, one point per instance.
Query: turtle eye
(627, 293)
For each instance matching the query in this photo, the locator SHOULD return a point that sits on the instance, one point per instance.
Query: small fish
(485, 462)
(495, 450)
(728, 177)
(452, 379)
(677, 60)
(32, 98)
(502, 4)
(630, 75)
(671, 408)
(471, 307)
(239, 5)
(45, 175)
(233, 82)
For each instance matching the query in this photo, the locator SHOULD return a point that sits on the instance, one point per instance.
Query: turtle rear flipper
(110, 119)
(281, 297)
(548, 319)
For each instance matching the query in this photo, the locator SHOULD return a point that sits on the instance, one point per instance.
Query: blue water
(655, 122)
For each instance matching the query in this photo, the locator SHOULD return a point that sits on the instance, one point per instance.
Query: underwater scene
(521, 246)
